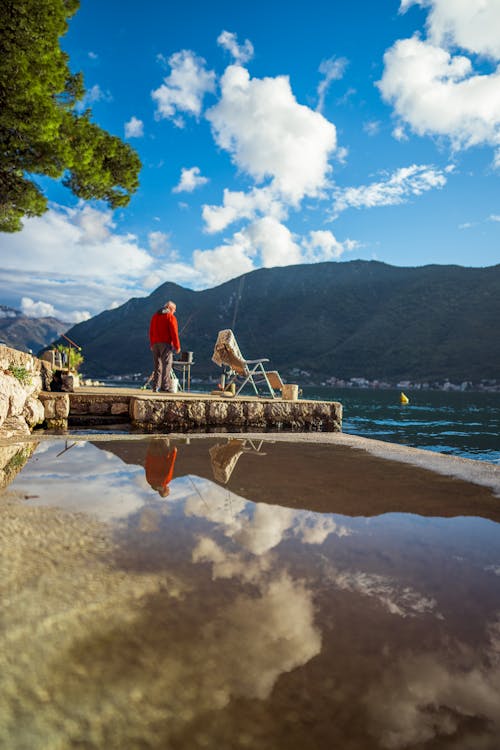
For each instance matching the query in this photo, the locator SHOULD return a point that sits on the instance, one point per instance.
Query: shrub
(20, 373)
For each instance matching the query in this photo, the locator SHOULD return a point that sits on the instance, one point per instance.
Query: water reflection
(160, 462)
(239, 609)
(224, 456)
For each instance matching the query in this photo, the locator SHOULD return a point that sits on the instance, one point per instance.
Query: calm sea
(464, 424)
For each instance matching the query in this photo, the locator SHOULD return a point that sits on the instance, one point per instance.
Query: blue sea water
(465, 424)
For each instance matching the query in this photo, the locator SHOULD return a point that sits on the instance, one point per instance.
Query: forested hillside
(355, 319)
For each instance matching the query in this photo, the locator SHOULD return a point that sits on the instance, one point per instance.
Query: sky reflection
(236, 606)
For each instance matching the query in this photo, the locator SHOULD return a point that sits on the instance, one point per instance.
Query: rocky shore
(22, 378)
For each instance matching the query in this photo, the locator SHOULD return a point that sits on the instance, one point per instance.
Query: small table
(186, 373)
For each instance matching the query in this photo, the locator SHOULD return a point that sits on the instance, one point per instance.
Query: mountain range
(21, 332)
(351, 319)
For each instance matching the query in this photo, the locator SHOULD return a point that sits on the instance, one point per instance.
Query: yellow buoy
(404, 399)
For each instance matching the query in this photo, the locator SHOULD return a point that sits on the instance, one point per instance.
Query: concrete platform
(184, 412)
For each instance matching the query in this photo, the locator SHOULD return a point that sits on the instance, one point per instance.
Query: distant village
(307, 378)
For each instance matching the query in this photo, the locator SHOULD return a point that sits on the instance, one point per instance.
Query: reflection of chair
(241, 371)
(224, 457)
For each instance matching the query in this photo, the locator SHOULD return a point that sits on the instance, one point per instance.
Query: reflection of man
(164, 341)
(160, 461)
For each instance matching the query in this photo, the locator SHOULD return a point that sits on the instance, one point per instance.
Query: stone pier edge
(191, 413)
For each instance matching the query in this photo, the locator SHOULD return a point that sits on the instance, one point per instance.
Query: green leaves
(102, 166)
(40, 130)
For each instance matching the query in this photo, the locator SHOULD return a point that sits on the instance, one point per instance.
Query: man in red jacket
(164, 341)
(160, 462)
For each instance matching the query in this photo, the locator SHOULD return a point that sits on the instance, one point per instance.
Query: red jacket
(163, 329)
(160, 467)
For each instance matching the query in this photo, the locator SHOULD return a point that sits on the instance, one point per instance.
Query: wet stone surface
(198, 592)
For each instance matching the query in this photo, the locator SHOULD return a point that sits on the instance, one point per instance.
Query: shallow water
(207, 593)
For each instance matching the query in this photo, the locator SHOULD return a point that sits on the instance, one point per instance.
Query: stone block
(255, 413)
(99, 407)
(173, 410)
(144, 411)
(14, 426)
(56, 405)
(4, 408)
(119, 407)
(138, 409)
(14, 391)
(56, 424)
(33, 411)
(196, 413)
(276, 411)
(80, 405)
(236, 415)
(217, 413)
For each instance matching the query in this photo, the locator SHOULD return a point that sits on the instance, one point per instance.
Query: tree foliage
(41, 130)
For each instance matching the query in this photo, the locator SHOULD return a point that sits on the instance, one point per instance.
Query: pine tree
(41, 130)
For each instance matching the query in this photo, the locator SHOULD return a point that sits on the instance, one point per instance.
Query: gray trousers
(163, 356)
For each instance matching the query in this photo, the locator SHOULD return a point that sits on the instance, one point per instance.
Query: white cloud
(227, 564)
(92, 95)
(313, 528)
(341, 154)
(332, 70)
(190, 180)
(159, 243)
(241, 53)
(73, 260)
(437, 92)
(134, 128)
(426, 697)
(93, 56)
(397, 599)
(184, 89)
(494, 217)
(372, 127)
(399, 133)
(265, 242)
(273, 241)
(40, 309)
(270, 135)
(238, 205)
(470, 24)
(278, 632)
(322, 245)
(397, 188)
(223, 262)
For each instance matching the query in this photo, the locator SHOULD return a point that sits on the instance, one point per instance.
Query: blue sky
(273, 134)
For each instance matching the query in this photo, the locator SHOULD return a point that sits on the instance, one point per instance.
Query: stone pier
(184, 412)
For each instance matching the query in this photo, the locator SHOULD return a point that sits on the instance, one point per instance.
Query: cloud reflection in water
(394, 620)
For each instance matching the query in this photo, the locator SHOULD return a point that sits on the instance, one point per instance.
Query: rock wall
(22, 377)
(12, 459)
(248, 415)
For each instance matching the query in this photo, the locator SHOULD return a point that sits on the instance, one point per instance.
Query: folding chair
(239, 370)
